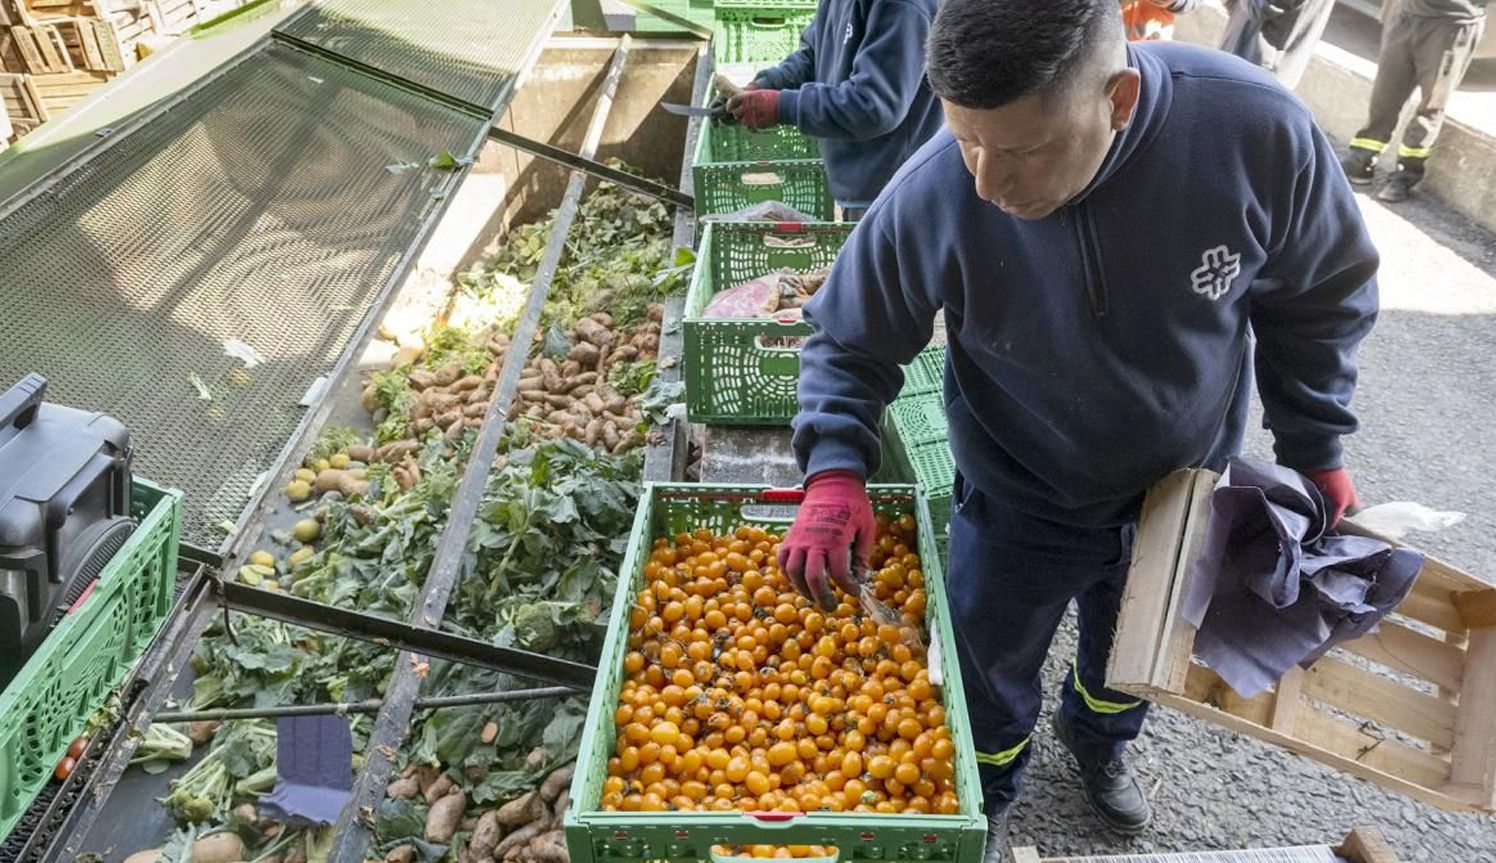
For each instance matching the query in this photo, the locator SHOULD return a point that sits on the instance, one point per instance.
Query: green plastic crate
(692, 10)
(89, 652)
(594, 836)
(922, 446)
(791, 6)
(726, 187)
(926, 374)
(920, 419)
(759, 35)
(732, 378)
(737, 143)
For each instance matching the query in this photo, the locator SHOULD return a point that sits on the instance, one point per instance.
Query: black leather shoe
(997, 837)
(1112, 789)
(1360, 167)
(1398, 188)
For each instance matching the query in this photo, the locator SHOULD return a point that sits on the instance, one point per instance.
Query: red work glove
(835, 521)
(1340, 492)
(756, 109)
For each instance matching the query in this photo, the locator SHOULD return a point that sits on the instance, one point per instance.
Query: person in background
(1106, 304)
(1150, 20)
(858, 84)
(1278, 35)
(1426, 45)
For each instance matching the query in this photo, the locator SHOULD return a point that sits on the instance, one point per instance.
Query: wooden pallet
(1411, 707)
(1363, 845)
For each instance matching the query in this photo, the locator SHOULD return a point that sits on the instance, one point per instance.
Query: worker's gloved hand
(720, 114)
(756, 109)
(1340, 492)
(835, 523)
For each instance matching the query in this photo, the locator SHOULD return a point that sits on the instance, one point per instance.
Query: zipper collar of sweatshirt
(1155, 94)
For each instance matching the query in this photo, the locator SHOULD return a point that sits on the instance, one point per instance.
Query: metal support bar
(592, 166)
(413, 639)
(371, 705)
(353, 832)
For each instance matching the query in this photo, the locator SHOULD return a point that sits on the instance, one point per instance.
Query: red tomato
(65, 768)
(75, 751)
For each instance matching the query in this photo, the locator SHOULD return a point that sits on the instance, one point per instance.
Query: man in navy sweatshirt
(1109, 229)
(858, 84)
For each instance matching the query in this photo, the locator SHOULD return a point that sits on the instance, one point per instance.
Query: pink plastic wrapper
(755, 298)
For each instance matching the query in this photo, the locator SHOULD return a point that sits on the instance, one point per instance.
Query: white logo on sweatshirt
(1218, 270)
(847, 38)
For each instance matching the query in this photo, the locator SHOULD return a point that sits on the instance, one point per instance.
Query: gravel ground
(1426, 400)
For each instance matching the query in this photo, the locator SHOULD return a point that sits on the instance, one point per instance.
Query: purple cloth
(1271, 589)
(313, 769)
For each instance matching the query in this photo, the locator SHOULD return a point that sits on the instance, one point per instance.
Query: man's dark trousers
(1011, 577)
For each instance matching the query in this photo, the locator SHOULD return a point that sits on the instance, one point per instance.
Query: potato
(302, 555)
(306, 474)
(306, 530)
(262, 557)
(470, 382)
(448, 374)
(445, 817)
(225, 847)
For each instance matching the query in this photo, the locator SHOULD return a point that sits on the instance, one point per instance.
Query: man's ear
(1123, 89)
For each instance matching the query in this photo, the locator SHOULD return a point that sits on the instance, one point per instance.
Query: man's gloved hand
(755, 108)
(1340, 492)
(834, 523)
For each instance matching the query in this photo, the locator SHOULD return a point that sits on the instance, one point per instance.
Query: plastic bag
(755, 298)
(1394, 520)
(763, 211)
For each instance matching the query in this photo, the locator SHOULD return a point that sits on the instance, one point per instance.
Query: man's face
(1032, 156)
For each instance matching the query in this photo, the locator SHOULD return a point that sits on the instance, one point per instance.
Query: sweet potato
(585, 353)
(398, 450)
(445, 817)
(422, 425)
(421, 379)
(558, 809)
(557, 782)
(369, 398)
(438, 789)
(485, 836)
(610, 436)
(569, 368)
(592, 331)
(476, 410)
(528, 372)
(592, 432)
(525, 809)
(623, 354)
(445, 420)
(224, 847)
(403, 789)
(448, 374)
(549, 847)
(594, 402)
(519, 838)
(531, 385)
(479, 396)
(150, 855)
(467, 382)
(361, 452)
(553, 381)
(341, 481)
(401, 854)
(455, 430)
(584, 379)
(656, 312)
(603, 318)
(647, 343)
(560, 401)
(202, 731)
(472, 422)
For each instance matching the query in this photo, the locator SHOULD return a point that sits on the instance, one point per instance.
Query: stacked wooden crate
(54, 53)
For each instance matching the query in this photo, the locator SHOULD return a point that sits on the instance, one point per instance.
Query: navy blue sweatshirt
(1096, 350)
(858, 84)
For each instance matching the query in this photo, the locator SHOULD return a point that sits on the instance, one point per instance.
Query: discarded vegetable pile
(740, 695)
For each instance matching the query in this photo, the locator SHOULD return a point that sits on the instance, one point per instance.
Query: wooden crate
(1363, 845)
(1411, 707)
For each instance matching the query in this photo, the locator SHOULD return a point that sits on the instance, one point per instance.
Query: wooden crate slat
(1435, 608)
(111, 58)
(1477, 608)
(53, 51)
(1474, 751)
(25, 41)
(1411, 652)
(88, 38)
(1382, 700)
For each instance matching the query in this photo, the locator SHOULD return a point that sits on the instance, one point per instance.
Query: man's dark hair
(989, 53)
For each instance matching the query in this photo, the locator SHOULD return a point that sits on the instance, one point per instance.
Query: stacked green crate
(916, 421)
(759, 33)
(698, 12)
(734, 167)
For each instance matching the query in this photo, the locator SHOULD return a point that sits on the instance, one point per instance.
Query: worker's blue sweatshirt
(1096, 350)
(858, 84)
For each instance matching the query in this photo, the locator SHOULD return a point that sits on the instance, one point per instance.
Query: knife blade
(687, 110)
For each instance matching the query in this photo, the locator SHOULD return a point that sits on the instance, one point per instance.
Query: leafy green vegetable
(631, 379)
(333, 440)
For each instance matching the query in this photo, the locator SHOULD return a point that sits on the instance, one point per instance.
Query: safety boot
(997, 837)
(1112, 789)
(1360, 166)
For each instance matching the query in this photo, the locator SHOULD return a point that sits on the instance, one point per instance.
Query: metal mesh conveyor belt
(467, 49)
(258, 209)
